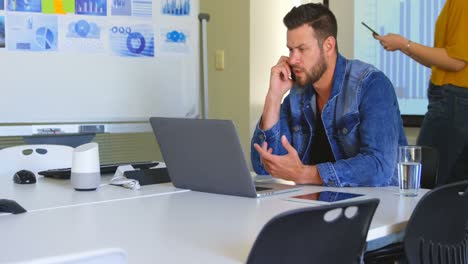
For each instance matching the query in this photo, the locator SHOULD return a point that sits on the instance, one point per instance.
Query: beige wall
(228, 30)
(267, 44)
(344, 12)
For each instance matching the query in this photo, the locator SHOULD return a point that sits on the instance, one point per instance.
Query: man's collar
(338, 75)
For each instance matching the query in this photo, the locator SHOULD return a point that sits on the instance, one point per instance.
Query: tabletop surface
(177, 227)
(52, 193)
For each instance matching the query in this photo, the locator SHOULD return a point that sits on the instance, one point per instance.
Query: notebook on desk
(206, 155)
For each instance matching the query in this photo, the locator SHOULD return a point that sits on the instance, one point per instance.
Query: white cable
(119, 178)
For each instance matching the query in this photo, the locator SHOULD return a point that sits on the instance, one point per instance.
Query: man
(340, 125)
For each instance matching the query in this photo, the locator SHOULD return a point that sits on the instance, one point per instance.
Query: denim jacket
(362, 122)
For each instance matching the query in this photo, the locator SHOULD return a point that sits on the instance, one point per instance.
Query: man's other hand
(287, 167)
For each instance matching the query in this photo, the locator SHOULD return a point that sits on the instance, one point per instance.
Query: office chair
(34, 158)
(308, 235)
(430, 167)
(436, 231)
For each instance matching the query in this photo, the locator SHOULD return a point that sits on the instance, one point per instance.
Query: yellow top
(451, 33)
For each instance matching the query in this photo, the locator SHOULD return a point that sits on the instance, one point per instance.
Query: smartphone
(373, 31)
(324, 197)
(293, 76)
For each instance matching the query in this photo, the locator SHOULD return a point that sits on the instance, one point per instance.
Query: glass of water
(409, 169)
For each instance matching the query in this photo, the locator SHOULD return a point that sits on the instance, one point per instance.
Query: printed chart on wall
(98, 60)
(414, 20)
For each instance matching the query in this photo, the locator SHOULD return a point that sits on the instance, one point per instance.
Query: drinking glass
(409, 169)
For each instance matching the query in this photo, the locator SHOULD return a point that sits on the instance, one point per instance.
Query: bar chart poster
(137, 8)
(175, 7)
(91, 7)
(414, 20)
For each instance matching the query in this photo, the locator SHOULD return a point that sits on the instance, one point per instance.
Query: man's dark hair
(318, 16)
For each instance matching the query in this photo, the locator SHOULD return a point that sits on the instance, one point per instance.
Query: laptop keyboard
(259, 189)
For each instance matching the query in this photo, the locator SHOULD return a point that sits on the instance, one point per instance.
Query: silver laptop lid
(203, 155)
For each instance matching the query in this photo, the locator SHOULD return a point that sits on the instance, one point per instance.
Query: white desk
(175, 228)
(49, 193)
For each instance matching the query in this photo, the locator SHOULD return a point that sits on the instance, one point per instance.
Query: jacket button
(345, 130)
(261, 137)
(296, 128)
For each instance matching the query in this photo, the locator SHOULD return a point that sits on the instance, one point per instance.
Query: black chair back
(436, 231)
(308, 235)
(430, 167)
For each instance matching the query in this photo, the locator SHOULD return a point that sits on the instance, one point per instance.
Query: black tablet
(324, 197)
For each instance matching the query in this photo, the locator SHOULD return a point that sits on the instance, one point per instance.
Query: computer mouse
(10, 206)
(24, 177)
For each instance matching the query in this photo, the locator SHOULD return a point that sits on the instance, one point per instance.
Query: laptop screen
(203, 155)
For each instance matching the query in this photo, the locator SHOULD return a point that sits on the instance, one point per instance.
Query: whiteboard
(96, 71)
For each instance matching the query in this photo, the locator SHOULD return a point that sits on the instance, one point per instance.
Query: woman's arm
(427, 56)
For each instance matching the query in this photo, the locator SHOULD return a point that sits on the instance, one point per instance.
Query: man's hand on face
(280, 81)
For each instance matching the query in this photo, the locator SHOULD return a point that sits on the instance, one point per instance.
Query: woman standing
(445, 125)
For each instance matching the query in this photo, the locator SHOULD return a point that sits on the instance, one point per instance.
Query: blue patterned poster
(32, 32)
(175, 40)
(24, 5)
(132, 40)
(83, 35)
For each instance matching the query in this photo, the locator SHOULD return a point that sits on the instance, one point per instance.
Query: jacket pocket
(347, 134)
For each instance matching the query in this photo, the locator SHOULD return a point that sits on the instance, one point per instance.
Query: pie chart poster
(32, 33)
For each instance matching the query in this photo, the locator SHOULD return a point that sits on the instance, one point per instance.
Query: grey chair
(324, 234)
(436, 231)
(430, 167)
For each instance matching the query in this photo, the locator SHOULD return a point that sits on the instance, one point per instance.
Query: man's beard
(315, 73)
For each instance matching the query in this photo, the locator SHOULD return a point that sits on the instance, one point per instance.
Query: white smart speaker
(85, 171)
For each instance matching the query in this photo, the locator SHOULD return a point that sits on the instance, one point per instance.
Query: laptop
(205, 155)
